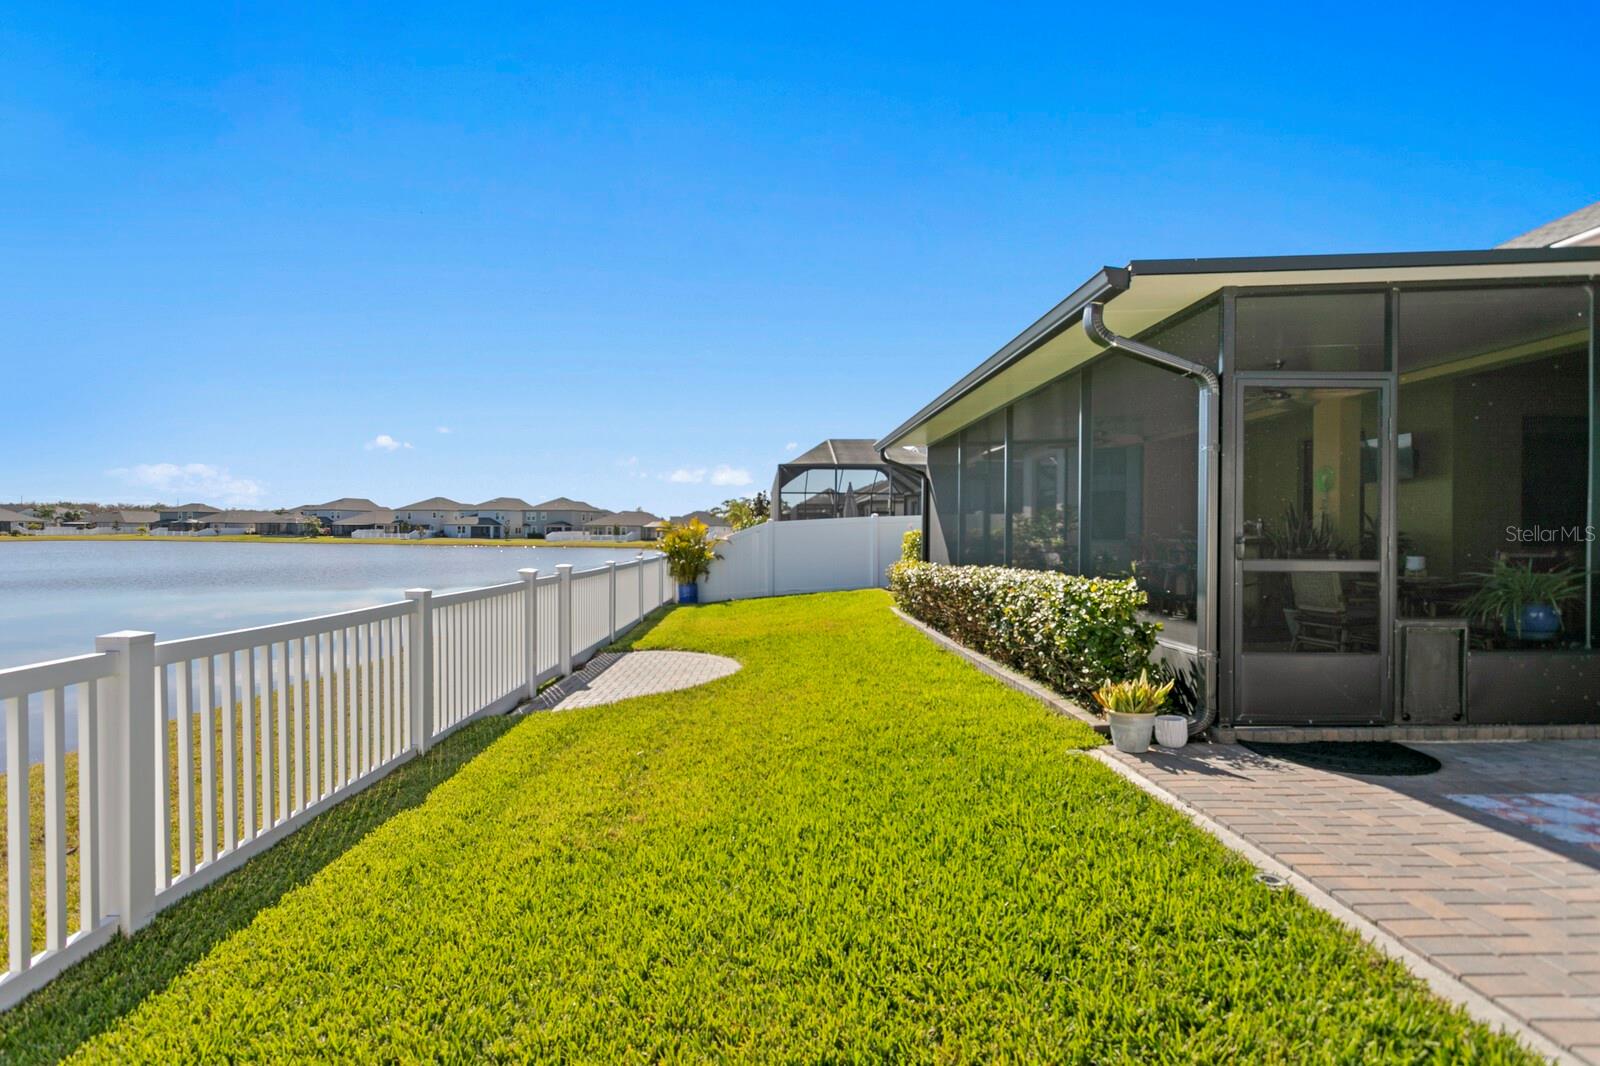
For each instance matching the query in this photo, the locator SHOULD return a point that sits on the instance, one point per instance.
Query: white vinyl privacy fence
(195, 754)
(817, 555)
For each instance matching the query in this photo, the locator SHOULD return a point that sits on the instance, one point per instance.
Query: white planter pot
(1172, 730)
(1131, 732)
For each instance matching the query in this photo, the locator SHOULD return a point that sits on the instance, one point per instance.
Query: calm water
(56, 596)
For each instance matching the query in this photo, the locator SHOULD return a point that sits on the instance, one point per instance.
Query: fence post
(640, 568)
(876, 577)
(611, 599)
(564, 617)
(530, 625)
(129, 786)
(421, 669)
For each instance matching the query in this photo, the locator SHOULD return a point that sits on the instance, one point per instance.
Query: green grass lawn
(857, 847)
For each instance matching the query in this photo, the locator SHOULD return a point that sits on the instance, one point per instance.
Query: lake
(57, 596)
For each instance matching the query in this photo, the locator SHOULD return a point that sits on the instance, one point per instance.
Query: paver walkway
(614, 677)
(1483, 892)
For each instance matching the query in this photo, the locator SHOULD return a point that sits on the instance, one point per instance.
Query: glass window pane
(983, 503)
(944, 469)
(1493, 415)
(1320, 610)
(1044, 478)
(1143, 486)
(1310, 483)
(1326, 332)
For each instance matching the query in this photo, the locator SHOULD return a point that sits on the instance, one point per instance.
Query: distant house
(509, 513)
(633, 525)
(344, 507)
(121, 521)
(846, 477)
(560, 515)
(11, 520)
(718, 525)
(183, 512)
(433, 514)
(482, 527)
(380, 520)
(262, 523)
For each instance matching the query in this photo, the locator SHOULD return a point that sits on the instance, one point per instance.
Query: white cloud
(721, 474)
(210, 484)
(385, 443)
(445, 429)
(792, 446)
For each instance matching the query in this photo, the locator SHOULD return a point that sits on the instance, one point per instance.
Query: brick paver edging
(1007, 676)
(1442, 983)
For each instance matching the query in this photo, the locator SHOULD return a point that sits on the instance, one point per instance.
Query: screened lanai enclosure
(847, 478)
(1356, 489)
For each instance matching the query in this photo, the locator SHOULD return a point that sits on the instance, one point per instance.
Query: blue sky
(268, 254)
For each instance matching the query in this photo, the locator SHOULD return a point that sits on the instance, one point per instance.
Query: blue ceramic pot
(689, 593)
(1540, 622)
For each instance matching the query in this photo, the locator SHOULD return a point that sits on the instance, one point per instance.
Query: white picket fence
(196, 754)
(818, 555)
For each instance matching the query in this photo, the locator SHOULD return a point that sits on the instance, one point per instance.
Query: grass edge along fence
(1069, 632)
(283, 722)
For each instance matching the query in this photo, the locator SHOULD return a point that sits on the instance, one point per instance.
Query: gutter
(1210, 423)
(921, 473)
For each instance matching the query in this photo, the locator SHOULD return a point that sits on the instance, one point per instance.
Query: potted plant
(1131, 708)
(1526, 604)
(689, 556)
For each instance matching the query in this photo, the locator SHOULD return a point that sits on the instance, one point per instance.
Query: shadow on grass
(92, 996)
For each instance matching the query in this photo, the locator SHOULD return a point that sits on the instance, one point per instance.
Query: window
(1493, 467)
(1326, 332)
(1143, 471)
(983, 487)
(1044, 478)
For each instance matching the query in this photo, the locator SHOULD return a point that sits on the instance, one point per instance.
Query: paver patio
(612, 677)
(1508, 906)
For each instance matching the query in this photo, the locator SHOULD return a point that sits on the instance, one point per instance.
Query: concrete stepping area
(613, 676)
(1495, 912)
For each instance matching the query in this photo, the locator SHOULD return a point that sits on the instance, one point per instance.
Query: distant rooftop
(562, 503)
(1577, 230)
(506, 503)
(343, 503)
(625, 518)
(852, 451)
(433, 503)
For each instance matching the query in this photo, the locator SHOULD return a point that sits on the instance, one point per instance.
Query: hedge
(1069, 632)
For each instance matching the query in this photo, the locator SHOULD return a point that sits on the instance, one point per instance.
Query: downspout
(1210, 426)
(921, 474)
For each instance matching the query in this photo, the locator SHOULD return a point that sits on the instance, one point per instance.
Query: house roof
(191, 508)
(7, 515)
(477, 520)
(433, 503)
(1580, 228)
(129, 516)
(706, 517)
(245, 517)
(851, 451)
(506, 503)
(379, 517)
(1149, 291)
(343, 503)
(624, 518)
(563, 503)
